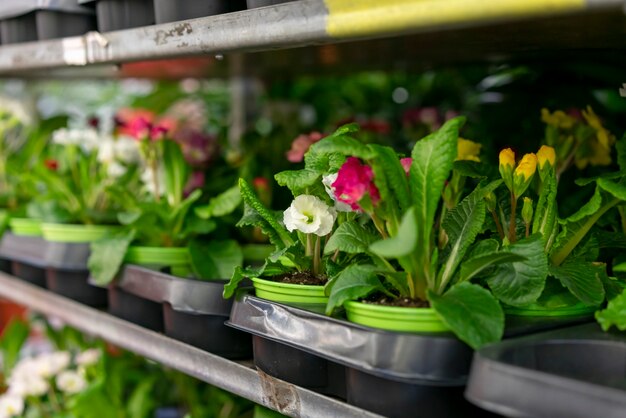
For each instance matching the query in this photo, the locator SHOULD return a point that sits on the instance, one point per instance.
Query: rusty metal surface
(235, 377)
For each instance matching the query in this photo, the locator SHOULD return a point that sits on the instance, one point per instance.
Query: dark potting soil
(301, 277)
(401, 302)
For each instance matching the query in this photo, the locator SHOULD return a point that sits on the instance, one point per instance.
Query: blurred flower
(191, 112)
(354, 181)
(88, 357)
(71, 382)
(116, 170)
(11, 405)
(406, 164)
(327, 181)
(558, 119)
(379, 126)
(597, 149)
(93, 121)
(148, 180)
(199, 149)
(126, 150)
(301, 145)
(88, 139)
(196, 181)
(468, 150)
(142, 124)
(310, 215)
(51, 164)
(428, 116)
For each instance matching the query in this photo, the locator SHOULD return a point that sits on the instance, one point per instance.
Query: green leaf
(617, 190)
(545, 217)
(176, 171)
(474, 266)
(179, 211)
(256, 214)
(339, 144)
(141, 401)
(388, 170)
(614, 314)
(215, 259)
(402, 244)
(222, 204)
(298, 180)
(238, 276)
(473, 169)
(589, 208)
(13, 338)
(107, 256)
(433, 158)
(582, 279)
(354, 282)
(620, 146)
(462, 224)
(350, 237)
(521, 282)
(472, 313)
(606, 239)
(127, 218)
(607, 176)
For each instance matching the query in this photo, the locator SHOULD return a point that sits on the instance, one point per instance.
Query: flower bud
(524, 173)
(527, 210)
(545, 155)
(491, 201)
(468, 150)
(507, 165)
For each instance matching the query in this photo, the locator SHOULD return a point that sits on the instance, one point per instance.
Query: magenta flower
(196, 181)
(406, 164)
(354, 181)
(301, 145)
(199, 149)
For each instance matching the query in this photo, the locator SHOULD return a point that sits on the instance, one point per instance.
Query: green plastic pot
(177, 259)
(394, 318)
(26, 227)
(536, 310)
(75, 233)
(289, 293)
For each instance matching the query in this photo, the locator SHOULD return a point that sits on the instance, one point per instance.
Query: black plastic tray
(172, 11)
(123, 14)
(135, 309)
(193, 311)
(253, 4)
(29, 273)
(573, 372)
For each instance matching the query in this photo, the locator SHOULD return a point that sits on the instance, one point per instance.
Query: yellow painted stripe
(350, 18)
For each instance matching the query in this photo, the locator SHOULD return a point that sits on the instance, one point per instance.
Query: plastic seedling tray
(172, 11)
(26, 256)
(29, 273)
(135, 309)
(573, 372)
(30, 20)
(389, 373)
(193, 311)
(123, 14)
(253, 4)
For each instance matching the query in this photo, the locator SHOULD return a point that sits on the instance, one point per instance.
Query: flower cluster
(53, 374)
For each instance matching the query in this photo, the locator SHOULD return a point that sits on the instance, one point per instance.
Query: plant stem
(527, 229)
(154, 162)
(316, 256)
(379, 226)
(308, 251)
(512, 222)
(498, 224)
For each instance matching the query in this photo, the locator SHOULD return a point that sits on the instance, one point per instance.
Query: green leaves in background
(614, 314)
(472, 313)
(354, 282)
(176, 171)
(221, 205)
(521, 282)
(13, 338)
(107, 256)
(215, 259)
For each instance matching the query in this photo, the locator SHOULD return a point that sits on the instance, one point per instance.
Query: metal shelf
(236, 377)
(427, 29)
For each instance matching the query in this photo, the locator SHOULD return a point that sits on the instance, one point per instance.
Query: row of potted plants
(437, 242)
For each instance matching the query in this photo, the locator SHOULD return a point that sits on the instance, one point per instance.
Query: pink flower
(378, 126)
(141, 124)
(354, 180)
(196, 181)
(406, 164)
(301, 145)
(199, 149)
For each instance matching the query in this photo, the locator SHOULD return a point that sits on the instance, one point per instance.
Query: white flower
(328, 181)
(11, 405)
(88, 357)
(48, 365)
(309, 214)
(88, 139)
(148, 180)
(106, 151)
(127, 150)
(71, 382)
(116, 169)
(29, 385)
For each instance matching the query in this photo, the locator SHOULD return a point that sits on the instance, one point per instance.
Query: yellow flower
(527, 167)
(558, 119)
(507, 158)
(596, 150)
(545, 155)
(468, 150)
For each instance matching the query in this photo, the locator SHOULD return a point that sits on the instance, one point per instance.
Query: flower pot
(123, 14)
(45, 24)
(572, 372)
(26, 255)
(176, 258)
(25, 227)
(5, 265)
(74, 233)
(535, 318)
(135, 309)
(29, 273)
(395, 318)
(299, 367)
(290, 293)
(172, 11)
(73, 285)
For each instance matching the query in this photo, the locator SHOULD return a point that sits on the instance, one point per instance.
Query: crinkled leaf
(256, 214)
(483, 247)
(433, 158)
(222, 204)
(606, 239)
(521, 282)
(613, 286)
(354, 282)
(617, 190)
(298, 180)
(402, 244)
(474, 266)
(614, 314)
(546, 210)
(582, 279)
(472, 313)
(107, 256)
(239, 274)
(215, 259)
(340, 144)
(350, 237)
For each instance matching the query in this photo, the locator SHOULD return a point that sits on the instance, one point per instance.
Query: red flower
(301, 145)
(260, 183)
(406, 164)
(354, 181)
(51, 164)
(378, 126)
